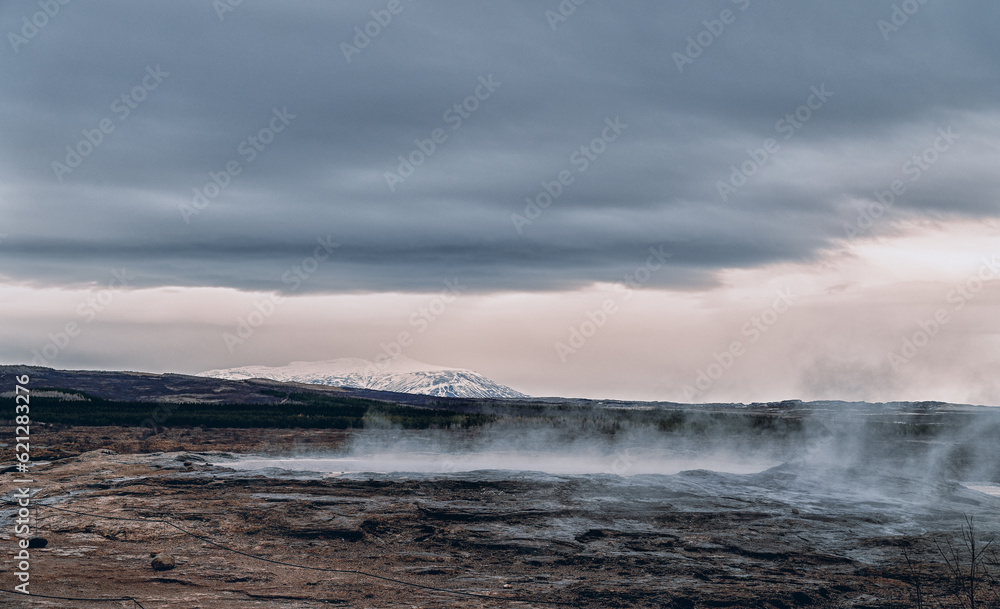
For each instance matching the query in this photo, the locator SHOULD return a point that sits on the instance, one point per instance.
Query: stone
(163, 562)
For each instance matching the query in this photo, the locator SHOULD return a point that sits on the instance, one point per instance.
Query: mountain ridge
(400, 375)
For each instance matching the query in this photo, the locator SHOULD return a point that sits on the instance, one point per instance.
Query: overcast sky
(711, 214)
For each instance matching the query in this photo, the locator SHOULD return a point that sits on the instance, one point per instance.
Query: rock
(801, 598)
(38, 542)
(188, 458)
(590, 535)
(163, 562)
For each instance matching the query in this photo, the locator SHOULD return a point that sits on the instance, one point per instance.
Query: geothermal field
(264, 494)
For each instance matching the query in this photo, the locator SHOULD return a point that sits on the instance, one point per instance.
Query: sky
(730, 200)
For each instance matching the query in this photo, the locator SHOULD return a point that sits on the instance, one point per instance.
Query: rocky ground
(791, 536)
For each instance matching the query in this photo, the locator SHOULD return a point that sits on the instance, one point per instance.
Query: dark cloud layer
(221, 82)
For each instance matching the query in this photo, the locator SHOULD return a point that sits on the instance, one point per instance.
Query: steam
(919, 446)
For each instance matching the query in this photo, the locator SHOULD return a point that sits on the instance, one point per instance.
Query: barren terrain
(409, 501)
(785, 537)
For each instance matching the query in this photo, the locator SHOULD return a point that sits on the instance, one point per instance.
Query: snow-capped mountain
(400, 374)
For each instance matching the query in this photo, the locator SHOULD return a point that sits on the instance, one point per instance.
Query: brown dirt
(549, 539)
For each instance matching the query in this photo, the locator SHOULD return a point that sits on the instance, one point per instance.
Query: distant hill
(400, 375)
(128, 386)
(139, 399)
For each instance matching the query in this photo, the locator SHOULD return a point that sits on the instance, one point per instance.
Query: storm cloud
(692, 114)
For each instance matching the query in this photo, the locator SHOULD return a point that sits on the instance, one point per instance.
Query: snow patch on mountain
(400, 374)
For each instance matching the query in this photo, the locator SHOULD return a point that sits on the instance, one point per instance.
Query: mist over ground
(920, 443)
